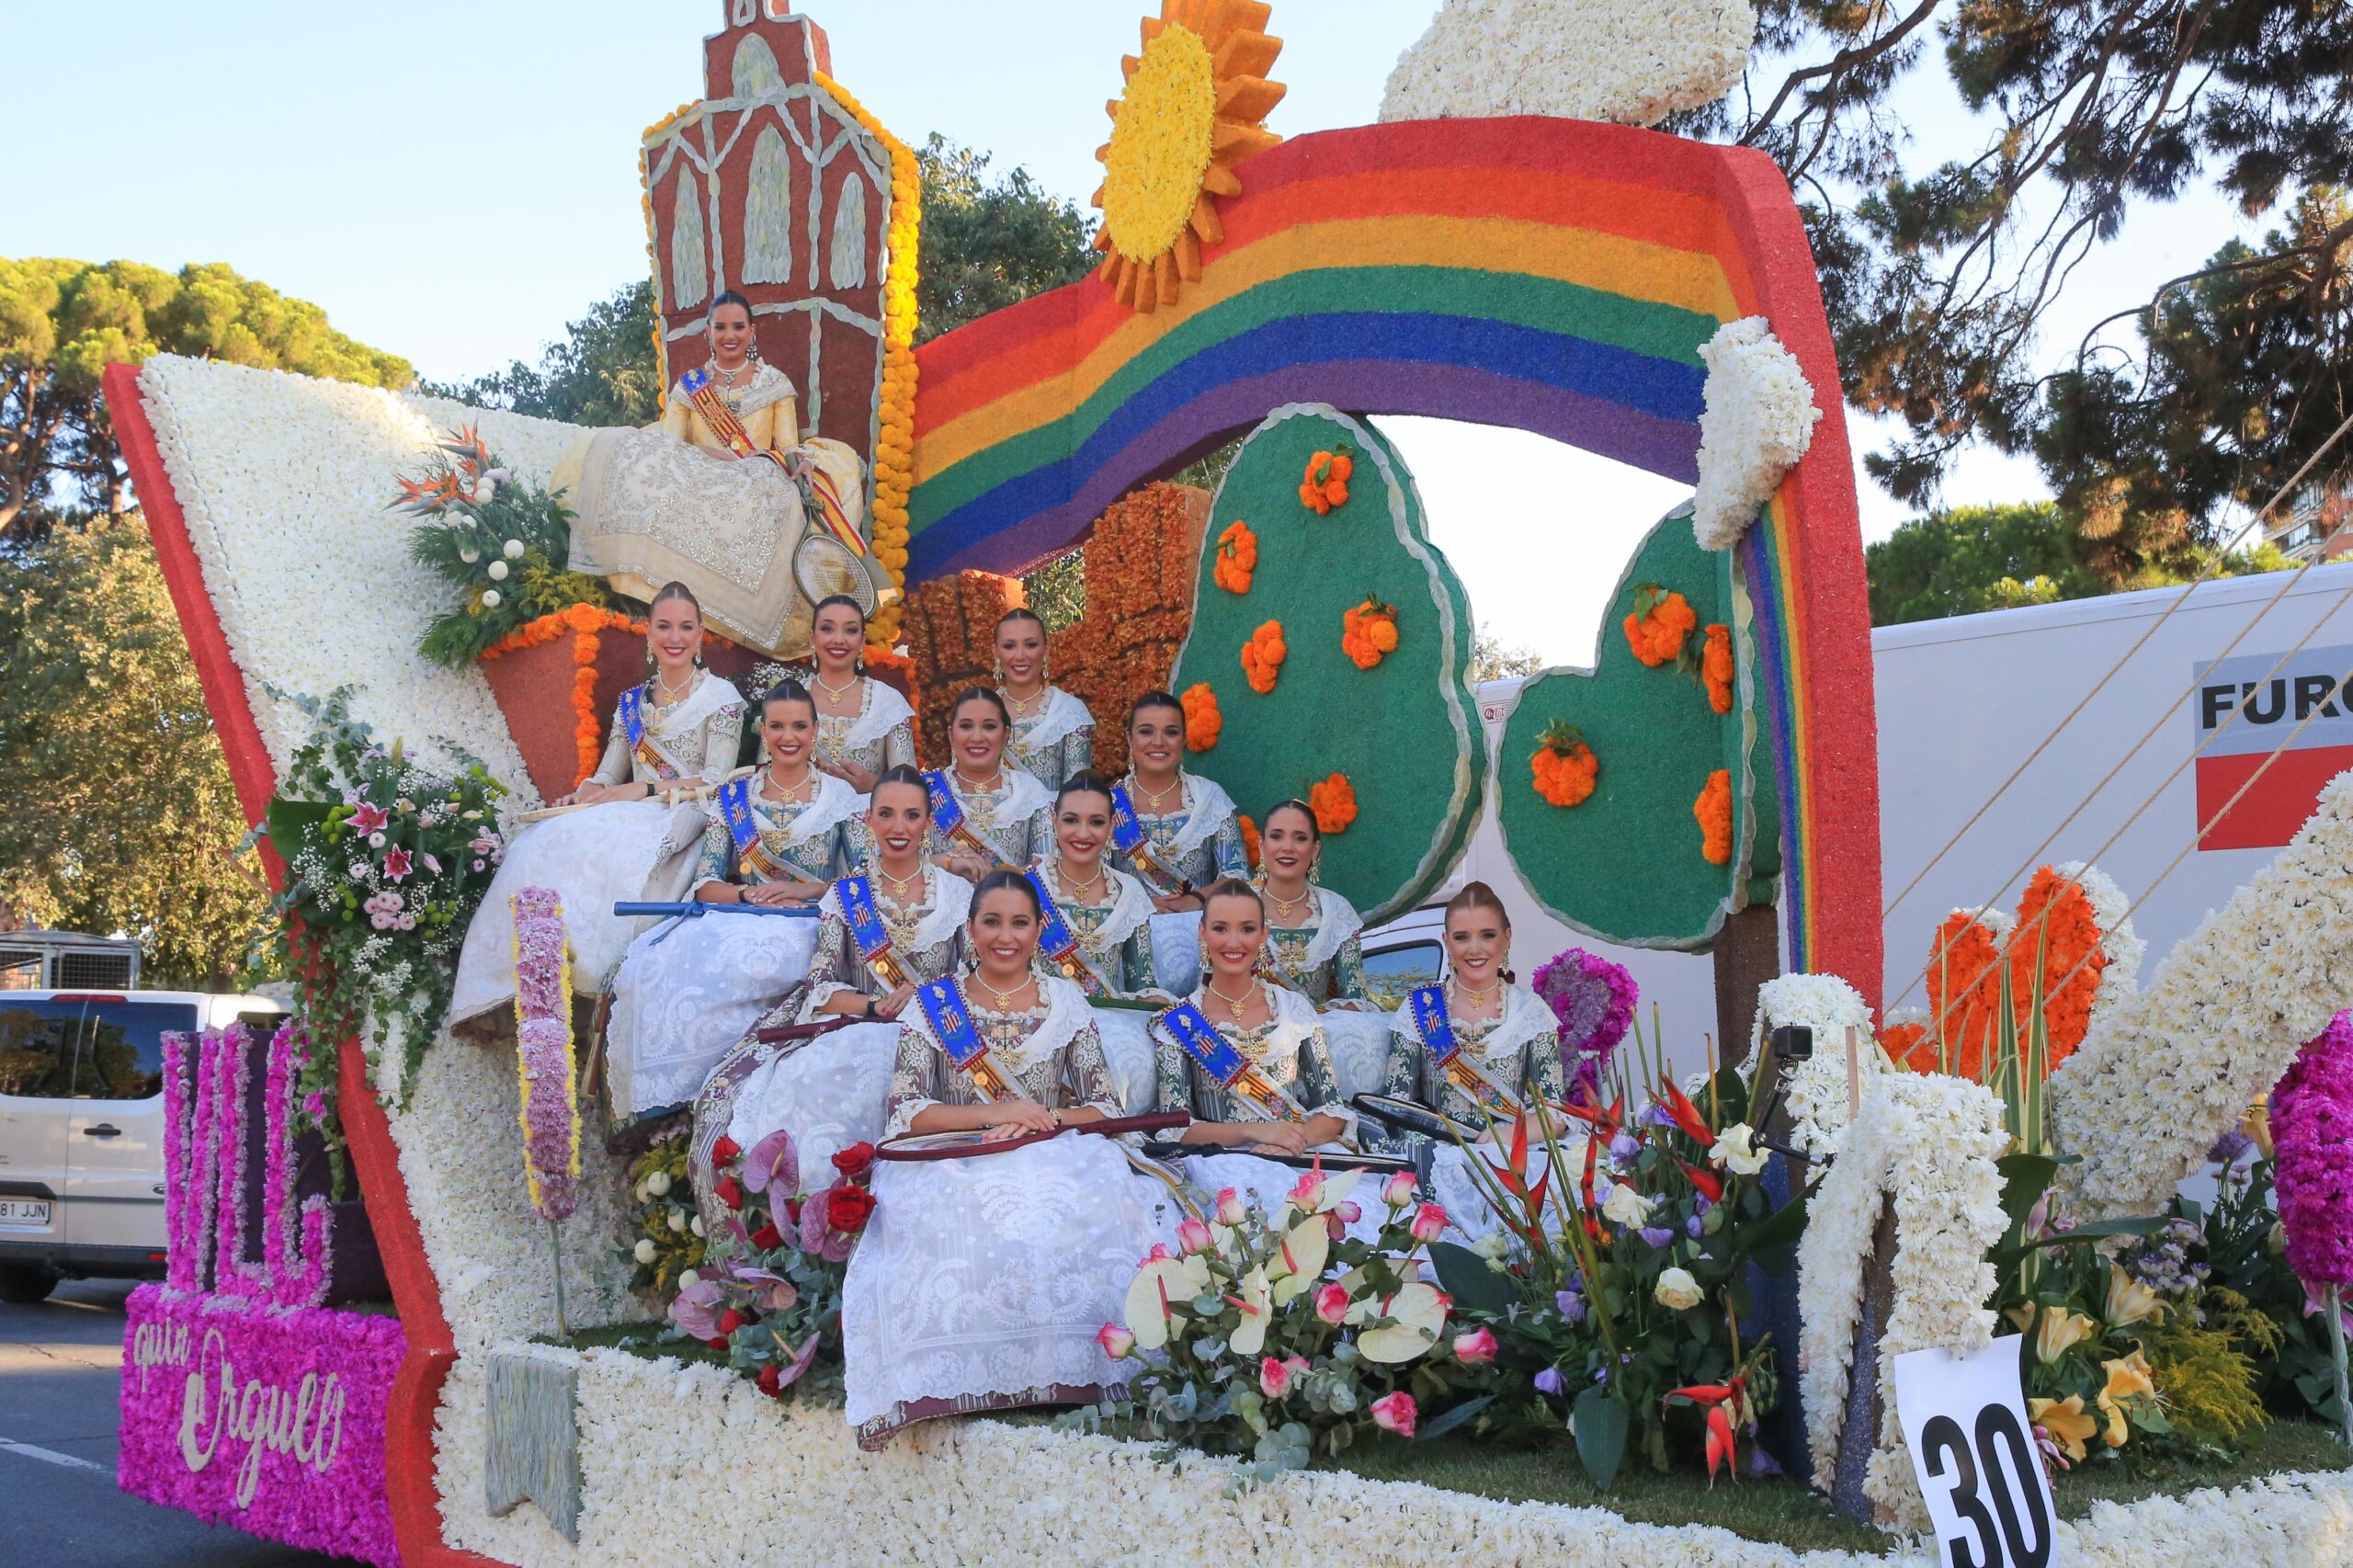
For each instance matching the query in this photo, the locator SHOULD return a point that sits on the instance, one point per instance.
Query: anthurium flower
(1417, 1316)
(2067, 1421)
(1297, 1264)
(2129, 1302)
(772, 1162)
(1257, 1303)
(1161, 1282)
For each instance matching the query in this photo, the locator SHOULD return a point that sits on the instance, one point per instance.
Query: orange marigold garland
(1203, 723)
(1565, 767)
(1237, 557)
(1326, 483)
(1263, 656)
(1250, 845)
(1662, 621)
(1713, 809)
(1334, 802)
(1368, 631)
(1716, 669)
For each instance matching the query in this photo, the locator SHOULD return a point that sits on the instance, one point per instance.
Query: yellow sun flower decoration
(1195, 103)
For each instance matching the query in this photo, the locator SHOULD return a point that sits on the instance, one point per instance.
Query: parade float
(394, 685)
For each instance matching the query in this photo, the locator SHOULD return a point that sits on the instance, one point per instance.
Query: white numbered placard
(1972, 1448)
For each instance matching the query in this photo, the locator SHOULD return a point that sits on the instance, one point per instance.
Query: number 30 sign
(1964, 1420)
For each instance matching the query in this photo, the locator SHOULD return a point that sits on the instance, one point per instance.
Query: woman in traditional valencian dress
(1248, 1061)
(689, 990)
(1053, 735)
(1097, 929)
(1312, 944)
(864, 727)
(1476, 1046)
(883, 931)
(1176, 831)
(674, 739)
(985, 813)
(982, 1282)
(726, 494)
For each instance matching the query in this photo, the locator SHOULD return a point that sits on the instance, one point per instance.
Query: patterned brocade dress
(1015, 817)
(1323, 961)
(1055, 741)
(1518, 1051)
(1115, 946)
(980, 1282)
(621, 851)
(690, 989)
(880, 735)
(1200, 841)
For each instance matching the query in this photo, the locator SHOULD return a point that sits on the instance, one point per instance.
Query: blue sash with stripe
(1057, 939)
(951, 1023)
(1437, 1030)
(1218, 1056)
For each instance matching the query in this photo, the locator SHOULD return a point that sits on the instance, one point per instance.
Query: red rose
(723, 1152)
(717, 1342)
(792, 1210)
(771, 1380)
(767, 1238)
(731, 1192)
(854, 1161)
(848, 1209)
(729, 1322)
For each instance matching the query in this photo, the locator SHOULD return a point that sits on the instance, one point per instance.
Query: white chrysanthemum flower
(1757, 422)
(1572, 58)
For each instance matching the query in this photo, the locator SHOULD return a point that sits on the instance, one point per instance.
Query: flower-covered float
(597, 1355)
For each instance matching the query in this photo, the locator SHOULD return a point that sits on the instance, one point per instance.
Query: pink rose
(1348, 1210)
(1193, 1237)
(1117, 1342)
(1395, 1413)
(1308, 1195)
(1429, 1224)
(1274, 1378)
(1332, 1303)
(1159, 1251)
(1399, 1190)
(1231, 1209)
(1475, 1348)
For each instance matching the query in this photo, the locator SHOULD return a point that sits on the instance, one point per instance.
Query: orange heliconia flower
(1368, 631)
(1565, 767)
(1203, 720)
(1236, 558)
(1660, 621)
(1326, 483)
(1713, 809)
(1715, 668)
(1263, 655)
(1334, 802)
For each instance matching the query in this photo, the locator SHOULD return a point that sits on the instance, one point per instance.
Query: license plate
(24, 1211)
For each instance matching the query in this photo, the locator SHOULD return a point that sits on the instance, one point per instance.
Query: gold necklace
(997, 780)
(1153, 798)
(1004, 998)
(1474, 996)
(788, 794)
(663, 690)
(834, 691)
(1023, 707)
(1232, 1006)
(1084, 891)
(1287, 907)
(898, 886)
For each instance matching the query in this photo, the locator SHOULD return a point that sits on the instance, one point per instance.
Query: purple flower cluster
(543, 1039)
(1593, 1000)
(2312, 1134)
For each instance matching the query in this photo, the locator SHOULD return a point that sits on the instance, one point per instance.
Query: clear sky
(452, 182)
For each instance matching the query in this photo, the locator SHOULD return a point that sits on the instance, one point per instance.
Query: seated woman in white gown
(864, 727)
(982, 1282)
(1176, 831)
(674, 738)
(689, 990)
(1053, 734)
(895, 924)
(1248, 1063)
(985, 813)
(1478, 1046)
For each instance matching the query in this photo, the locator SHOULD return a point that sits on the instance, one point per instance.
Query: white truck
(1964, 702)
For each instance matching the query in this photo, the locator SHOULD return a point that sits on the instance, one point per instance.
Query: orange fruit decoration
(1564, 766)
(1263, 656)
(1715, 668)
(1334, 802)
(1326, 483)
(1660, 622)
(1368, 631)
(1237, 557)
(1203, 723)
(1713, 810)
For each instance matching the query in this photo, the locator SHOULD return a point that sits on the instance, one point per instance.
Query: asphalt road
(60, 1363)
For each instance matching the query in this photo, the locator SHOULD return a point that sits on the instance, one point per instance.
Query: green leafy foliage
(603, 371)
(121, 817)
(987, 244)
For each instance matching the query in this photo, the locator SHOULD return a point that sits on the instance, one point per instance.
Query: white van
(82, 1128)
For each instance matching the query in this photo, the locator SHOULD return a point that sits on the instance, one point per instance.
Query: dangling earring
(1000, 669)
(1315, 869)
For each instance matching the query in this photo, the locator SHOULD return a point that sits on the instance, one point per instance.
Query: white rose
(1735, 1150)
(1677, 1291)
(469, 554)
(484, 488)
(644, 1251)
(490, 598)
(513, 549)
(658, 1183)
(1627, 1207)
(678, 1220)
(498, 570)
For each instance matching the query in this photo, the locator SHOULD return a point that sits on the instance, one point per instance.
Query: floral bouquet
(773, 1301)
(1616, 1288)
(1273, 1336)
(385, 860)
(1593, 1000)
(501, 541)
(670, 1243)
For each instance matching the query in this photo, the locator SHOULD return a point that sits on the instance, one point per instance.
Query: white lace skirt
(829, 1094)
(686, 993)
(1361, 1046)
(981, 1283)
(623, 851)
